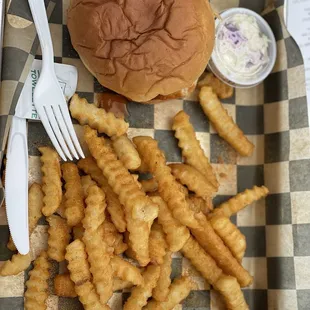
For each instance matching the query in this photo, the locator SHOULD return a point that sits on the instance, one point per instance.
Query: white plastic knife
(16, 183)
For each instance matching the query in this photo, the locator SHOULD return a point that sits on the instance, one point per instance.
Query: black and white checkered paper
(274, 117)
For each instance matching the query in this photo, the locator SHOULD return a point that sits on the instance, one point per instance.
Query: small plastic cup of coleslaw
(245, 48)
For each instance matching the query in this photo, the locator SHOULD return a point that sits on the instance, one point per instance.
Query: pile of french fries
(116, 232)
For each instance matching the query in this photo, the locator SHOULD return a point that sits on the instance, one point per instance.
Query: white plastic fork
(48, 97)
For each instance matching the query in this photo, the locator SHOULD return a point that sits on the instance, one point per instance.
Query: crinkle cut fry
(193, 179)
(201, 260)
(198, 204)
(140, 294)
(168, 187)
(139, 210)
(74, 202)
(58, 237)
(64, 286)
(157, 244)
(114, 207)
(51, 180)
(35, 205)
(179, 290)
(230, 289)
(191, 149)
(230, 234)
(213, 245)
(17, 264)
(87, 182)
(176, 233)
(97, 118)
(240, 201)
(36, 293)
(223, 123)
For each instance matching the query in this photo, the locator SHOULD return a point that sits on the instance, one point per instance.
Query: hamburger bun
(143, 49)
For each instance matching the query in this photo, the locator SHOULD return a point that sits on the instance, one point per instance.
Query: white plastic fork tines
(48, 97)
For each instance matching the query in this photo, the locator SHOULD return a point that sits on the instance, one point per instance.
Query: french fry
(95, 208)
(126, 152)
(193, 179)
(77, 262)
(201, 260)
(35, 205)
(213, 245)
(143, 167)
(99, 259)
(231, 235)
(62, 208)
(149, 185)
(36, 292)
(179, 290)
(140, 294)
(88, 297)
(161, 291)
(114, 207)
(222, 90)
(230, 289)
(139, 210)
(240, 201)
(167, 185)
(157, 244)
(74, 203)
(223, 123)
(63, 286)
(78, 231)
(198, 204)
(58, 237)
(86, 182)
(17, 264)
(97, 250)
(51, 180)
(112, 237)
(191, 149)
(176, 233)
(126, 271)
(97, 118)
(119, 284)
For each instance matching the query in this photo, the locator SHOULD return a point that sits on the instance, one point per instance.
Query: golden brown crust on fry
(17, 264)
(36, 293)
(126, 152)
(179, 290)
(51, 180)
(230, 289)
(74, 202)
(222, 90)
(97, 118)
(95, 208)
(35, 205)
(223, 123)
(176, 233)
(157, 244)
(126, 271)
(198, 204)
(240, 201)
(201, 260)
(63, 286)
(167, 185)
(213, 244)
(191, 149)
(231, 235)
(193, 179)
(88, 297)
(87, 182)
(62, 208)
(114, 207)
(139, 210)
(119, 284)
(161, 291)
(140, 294)
(149, 185)
(77, 262)
(58, 237)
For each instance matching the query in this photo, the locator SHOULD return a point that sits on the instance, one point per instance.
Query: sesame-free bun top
(143, 48)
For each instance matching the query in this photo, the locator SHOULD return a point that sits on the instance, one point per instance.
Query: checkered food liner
(273, 115)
